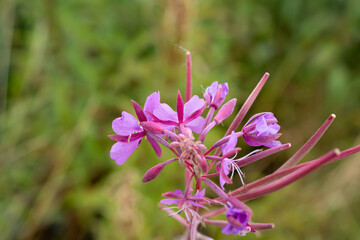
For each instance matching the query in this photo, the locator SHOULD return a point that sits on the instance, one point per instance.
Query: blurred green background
(68, 68)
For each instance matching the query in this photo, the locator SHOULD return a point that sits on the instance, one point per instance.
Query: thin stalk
(206, 130)
(209, 117)
(193, 228)
(214, 213)
(274, 186)
(279, 174)
(219, 223)
(263, 154)
(221, 142)
(261, 226)
(309, 144)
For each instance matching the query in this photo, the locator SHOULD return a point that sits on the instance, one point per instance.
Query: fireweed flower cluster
(184, 131)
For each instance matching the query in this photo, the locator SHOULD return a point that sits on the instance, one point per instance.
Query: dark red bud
(152, 173)
(152, 127)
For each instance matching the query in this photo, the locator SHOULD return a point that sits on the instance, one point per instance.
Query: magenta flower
(215, 95)
(174, 130)
(187, 115)
(237, 222)
(178, 198)
(129, 131)
(262, 131)
(184, 202)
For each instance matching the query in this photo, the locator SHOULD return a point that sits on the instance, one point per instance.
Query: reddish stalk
(263, 154)
(261, 226)
(292, 177)
(309, 144)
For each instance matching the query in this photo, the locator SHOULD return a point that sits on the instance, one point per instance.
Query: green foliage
(68, 68)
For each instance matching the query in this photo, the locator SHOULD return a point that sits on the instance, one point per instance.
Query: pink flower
(129, 131)
(178, 198)
(188, 114)
(237, 222)
(215, 94)
(262, 131)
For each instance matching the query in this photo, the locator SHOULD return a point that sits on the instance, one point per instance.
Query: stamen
(248, 155)
(187, 217)
(172, 214)
(194, 213)
(241, 174)
(167, 208)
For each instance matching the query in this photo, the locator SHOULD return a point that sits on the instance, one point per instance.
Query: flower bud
(153, 172)
(262, 129)
(152, 127)
(225, 111)
(215, 94)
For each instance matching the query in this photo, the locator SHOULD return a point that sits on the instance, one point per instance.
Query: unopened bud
(201, 147)
(152, 173)
(203, 164)
(174, 144)
(152, 127)
(225, 111)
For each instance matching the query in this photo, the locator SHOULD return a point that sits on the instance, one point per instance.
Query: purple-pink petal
(139, 112)
(230, 229)
(126, 124)
(178, 192)
(129, 138)
(121, 151)
(196, 124)
(155, 145)
(264, 130)
(238, 215)
(210, 93)
(225, 90)
(194, 104)
(230, 144)
(261, 127)
(212, 89)
(165, 113)
(152, 102)
(169, 201)
(200, 194)
(195, 204)
(272, 144)
(224, 172)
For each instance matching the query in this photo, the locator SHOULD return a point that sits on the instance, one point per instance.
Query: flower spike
(162, 126)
